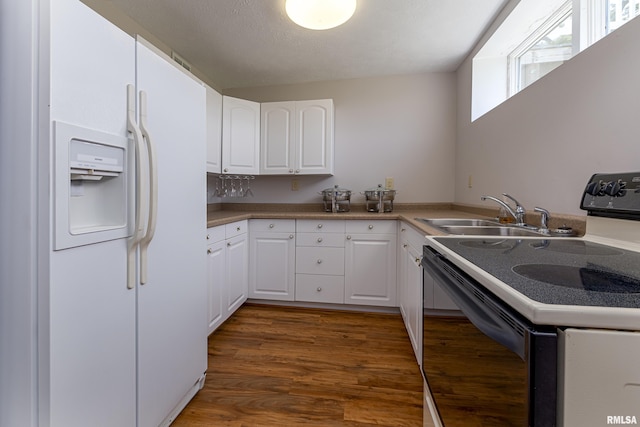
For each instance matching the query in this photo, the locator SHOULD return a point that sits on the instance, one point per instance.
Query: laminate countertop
(406, 214)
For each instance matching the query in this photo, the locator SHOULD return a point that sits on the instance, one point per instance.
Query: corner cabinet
(240, 136)
(370, 263)
(296, 138)
(272, 259)
(214, 131)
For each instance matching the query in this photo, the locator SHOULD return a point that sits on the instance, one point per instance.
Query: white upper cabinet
(214, 131)
(297, 138)
(240, 136)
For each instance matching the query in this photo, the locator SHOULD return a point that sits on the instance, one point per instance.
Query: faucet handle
(544, 217)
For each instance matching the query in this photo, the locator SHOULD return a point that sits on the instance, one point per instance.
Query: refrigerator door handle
(140, 202)
(153, 189)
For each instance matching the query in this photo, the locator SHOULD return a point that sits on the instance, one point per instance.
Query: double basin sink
(480, 227)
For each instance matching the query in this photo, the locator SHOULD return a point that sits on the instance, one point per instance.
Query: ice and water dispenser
(91, 195)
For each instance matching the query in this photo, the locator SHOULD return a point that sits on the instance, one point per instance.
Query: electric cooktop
(557, 271)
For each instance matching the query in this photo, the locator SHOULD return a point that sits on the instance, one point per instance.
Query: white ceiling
(245, 43)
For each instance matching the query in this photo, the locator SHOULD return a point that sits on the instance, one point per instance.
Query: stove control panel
(615, 195)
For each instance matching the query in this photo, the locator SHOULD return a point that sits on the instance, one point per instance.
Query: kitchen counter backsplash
(219, 214)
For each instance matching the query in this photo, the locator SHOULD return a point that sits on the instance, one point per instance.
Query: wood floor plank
(284, 366)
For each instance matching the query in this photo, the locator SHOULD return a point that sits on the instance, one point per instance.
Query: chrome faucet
(517, 213)
(544, 219)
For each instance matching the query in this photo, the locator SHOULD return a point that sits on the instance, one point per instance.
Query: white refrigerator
(119, 336)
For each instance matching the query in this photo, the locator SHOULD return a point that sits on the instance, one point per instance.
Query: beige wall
(399, 126)
(543, 144)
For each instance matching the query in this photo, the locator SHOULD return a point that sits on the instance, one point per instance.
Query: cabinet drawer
(235, 228)
(409, 235)
(311, 260)
(319, 288)
(215, 234)
(320, 226)
(276, 225)
(320, 239)
(373, 226)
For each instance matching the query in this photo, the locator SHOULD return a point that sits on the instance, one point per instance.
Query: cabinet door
(216, 282)
(413, 298)
(240, 136)
(370, 269)
(272, 266)
(214, 131)
(314, 137)
(277, 151)
(237, 273)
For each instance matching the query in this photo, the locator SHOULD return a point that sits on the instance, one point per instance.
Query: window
(535, 38)
(547, 48)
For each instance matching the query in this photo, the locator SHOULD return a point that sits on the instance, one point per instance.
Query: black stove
(557, 271)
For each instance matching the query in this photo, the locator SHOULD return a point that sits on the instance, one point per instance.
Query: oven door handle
(479, 307)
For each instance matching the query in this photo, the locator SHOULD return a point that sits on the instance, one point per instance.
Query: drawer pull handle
(319, 289)
(319, 239)
(371, 227)
(209, 251)
(271, 225)
(319, 225)
(319, 261)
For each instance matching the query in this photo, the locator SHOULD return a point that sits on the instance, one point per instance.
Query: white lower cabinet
(410, 285)
(370, 263)
(272, 255)
(320, 261)
(216, 262)
(228, 270)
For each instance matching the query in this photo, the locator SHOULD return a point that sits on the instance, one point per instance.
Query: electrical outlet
(388, 183)
(295, 185)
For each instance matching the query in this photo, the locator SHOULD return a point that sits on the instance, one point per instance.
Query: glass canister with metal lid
(336, 199)
(379, 199)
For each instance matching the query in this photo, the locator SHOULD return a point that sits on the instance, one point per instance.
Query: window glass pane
(621, 12)
(549, 52)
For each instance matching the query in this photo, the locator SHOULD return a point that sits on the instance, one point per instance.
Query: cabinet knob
(348, 237)
(290, 170)
(297, 170)
(209, 251)
(403, 229)
(319, 225)
(291, 236)
(228, 243)
(226, 170)
(319, 239)
(405, 245)
(418, 260)
(371, 227)
(208, 237)
(319, 289)
(237, 228)
(271, 225)
(319, 261)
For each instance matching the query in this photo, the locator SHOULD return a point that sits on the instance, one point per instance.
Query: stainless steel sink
(489, 231)
(466, 222)
(477, 227)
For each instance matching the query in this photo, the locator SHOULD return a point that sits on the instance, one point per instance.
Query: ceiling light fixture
(320, 14)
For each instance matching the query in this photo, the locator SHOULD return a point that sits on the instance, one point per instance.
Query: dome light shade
(320, 14)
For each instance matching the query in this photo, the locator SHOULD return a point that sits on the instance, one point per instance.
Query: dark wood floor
(277, 366)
